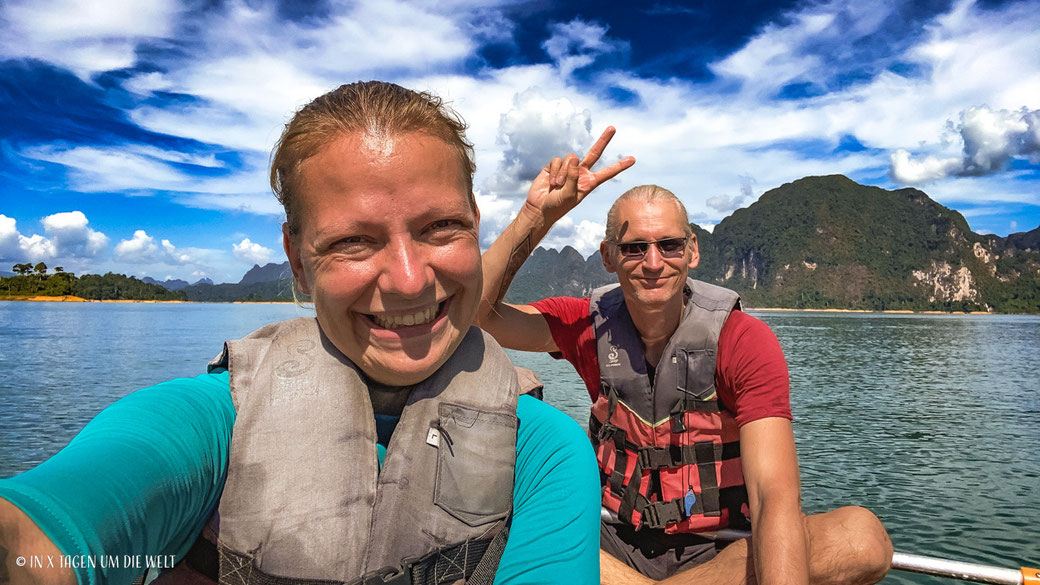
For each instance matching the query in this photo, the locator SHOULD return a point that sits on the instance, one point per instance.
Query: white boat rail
(916, 563)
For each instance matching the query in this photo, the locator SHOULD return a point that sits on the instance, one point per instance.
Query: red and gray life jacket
(668, 451)
(305, 502)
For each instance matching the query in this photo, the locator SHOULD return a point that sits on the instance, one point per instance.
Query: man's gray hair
(647, 193)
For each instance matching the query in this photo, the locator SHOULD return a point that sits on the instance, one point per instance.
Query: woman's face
(388, 251)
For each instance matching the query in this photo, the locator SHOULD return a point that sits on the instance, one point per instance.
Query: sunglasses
(669, 248)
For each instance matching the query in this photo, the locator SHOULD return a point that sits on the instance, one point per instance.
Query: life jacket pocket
(695, 373)
(475, 460)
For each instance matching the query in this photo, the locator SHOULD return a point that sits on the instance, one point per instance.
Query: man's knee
(868, 541)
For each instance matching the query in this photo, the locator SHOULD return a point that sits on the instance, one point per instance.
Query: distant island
(271, 283)
(816, 243)
(31, 282)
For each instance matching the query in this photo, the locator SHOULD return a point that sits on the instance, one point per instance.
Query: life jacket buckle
(678, 423)
(660, 514)
(401, 575)
(643, 458)
(649, 517)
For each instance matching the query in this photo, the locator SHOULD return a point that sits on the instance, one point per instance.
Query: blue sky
(134, 135)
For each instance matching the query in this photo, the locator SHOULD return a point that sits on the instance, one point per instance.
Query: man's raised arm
(557, 189)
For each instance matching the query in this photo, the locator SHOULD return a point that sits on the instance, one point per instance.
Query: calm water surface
(932, 421)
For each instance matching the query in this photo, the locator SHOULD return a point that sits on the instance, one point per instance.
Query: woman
(381, 232)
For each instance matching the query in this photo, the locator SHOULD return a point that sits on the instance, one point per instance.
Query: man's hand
(557, 189)
(563, 183)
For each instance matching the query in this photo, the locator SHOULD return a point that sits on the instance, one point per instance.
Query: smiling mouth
(420, 317)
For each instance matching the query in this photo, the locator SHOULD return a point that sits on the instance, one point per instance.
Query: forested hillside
(828, 242)
(815, 243)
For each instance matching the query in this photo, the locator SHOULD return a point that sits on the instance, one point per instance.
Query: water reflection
(932, 421)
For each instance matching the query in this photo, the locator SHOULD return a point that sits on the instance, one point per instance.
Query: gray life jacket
(305, 501)
(669, 453)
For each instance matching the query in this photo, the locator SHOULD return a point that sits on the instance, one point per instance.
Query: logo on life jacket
(612, 357)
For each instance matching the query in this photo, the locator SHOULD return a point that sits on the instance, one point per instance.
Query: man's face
(388, 252)
(657, 277)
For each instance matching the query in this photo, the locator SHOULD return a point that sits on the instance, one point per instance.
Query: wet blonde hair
(377, 108)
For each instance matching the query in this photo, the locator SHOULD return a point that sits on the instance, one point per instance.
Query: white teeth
(395, 321)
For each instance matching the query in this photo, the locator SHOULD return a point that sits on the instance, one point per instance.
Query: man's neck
(656, 326)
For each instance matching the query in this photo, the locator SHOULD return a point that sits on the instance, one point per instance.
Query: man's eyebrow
(649, 241)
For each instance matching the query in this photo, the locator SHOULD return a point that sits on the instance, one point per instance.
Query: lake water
(932, 421)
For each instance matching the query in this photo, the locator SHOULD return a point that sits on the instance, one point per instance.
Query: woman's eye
(351, 244)
(443, 224)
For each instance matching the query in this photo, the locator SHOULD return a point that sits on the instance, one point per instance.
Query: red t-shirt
(750, 370)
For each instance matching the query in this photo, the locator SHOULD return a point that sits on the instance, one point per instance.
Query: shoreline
(886, 311)
(75, 299)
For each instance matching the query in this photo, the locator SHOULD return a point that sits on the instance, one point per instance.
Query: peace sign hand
(565, 182)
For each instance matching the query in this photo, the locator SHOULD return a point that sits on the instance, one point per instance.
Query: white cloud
(260, 202)
(584, 236)
(37, 247)
(268, 66)
(142, 169)
(578, 44)
(143, 249)
(251, 252)
(69, 239)
(495, 215)
(725, 203)
(987, 190)
(72, 237)
(109, 169)
(15, 247)
(772, 59)
(9, 239)
(694, 137)
(84, 37)
(533, 131)
(147, 83)
(990, 139)
(907, 171)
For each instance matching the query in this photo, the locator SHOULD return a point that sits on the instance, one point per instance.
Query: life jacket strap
(474, 561)
(676, 456)
(617, 478)
(696, 405)
(709, 500)
(447, 565)
(660, 514)
(629, 495)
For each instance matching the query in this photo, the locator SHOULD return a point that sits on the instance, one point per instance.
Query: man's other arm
(756, 369)
(779, 545)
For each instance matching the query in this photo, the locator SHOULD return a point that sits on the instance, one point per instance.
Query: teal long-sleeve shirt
(144, 475)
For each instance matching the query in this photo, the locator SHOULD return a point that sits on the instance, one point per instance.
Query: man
(691, 421)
